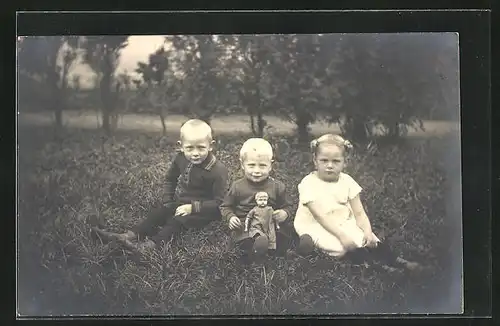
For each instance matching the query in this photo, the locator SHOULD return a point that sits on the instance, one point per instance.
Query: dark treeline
(356, 80)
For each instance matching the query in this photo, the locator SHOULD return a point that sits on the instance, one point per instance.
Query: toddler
(331, 216)
(256, 158)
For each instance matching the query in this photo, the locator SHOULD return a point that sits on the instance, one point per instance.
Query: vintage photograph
(278, 174)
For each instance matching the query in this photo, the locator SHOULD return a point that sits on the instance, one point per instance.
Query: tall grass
(64, 269)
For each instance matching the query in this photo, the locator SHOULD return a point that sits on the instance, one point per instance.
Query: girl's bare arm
(362, 219)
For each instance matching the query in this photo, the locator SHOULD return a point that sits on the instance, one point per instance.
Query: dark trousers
(381, 253)
(169, 225)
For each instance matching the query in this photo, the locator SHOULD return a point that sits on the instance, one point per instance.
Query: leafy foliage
(390, 79)
(47, 59)
(363, 82)
(102, 54)
(160, 82)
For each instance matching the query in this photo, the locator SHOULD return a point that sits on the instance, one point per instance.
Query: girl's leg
(358, 256)
(306, 245)
(383, 253)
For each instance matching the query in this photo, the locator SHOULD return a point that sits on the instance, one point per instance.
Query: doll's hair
(261, 194)
(332, 139)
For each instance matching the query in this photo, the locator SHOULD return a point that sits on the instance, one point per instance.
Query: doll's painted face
(261, 199)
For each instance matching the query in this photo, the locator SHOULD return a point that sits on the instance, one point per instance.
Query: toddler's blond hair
(257, 145)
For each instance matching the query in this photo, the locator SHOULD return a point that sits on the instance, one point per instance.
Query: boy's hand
(280, 215)
(234, 223)
(184, 210)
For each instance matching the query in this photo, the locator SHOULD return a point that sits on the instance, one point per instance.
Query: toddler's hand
(184, 210)
(280, 215)
(234, 223)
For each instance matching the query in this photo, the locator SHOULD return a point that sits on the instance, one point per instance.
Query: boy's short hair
(197, 125)
(261, 194)
(259, 145)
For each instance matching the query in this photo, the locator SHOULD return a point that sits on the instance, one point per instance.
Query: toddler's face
(196, 147)
(256, 167)
(262, 201)
(329, 162)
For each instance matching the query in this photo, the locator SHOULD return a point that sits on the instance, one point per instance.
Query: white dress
(335, 197)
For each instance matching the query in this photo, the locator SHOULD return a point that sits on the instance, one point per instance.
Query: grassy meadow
(63, 269)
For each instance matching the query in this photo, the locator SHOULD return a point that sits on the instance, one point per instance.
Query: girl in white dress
(331, 216)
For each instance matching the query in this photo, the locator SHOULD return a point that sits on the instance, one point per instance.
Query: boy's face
(195, 147)
(261, 201)
(256, 167)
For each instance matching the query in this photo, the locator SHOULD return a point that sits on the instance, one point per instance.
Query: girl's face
(329, 162)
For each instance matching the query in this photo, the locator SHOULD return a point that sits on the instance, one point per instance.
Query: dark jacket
(203, 186)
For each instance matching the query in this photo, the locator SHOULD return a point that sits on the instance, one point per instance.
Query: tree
(50, 58)
(198, 60)
(250, 57)
(157, 77)
(297, 83)
(391, 80)
(102, 54)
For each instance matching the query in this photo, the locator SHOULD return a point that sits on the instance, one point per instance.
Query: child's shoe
(306, 245)
(142, 247)
(410, 265)
(260, 246)
(128, 236)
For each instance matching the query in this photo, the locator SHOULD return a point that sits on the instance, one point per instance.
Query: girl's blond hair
(333, 139)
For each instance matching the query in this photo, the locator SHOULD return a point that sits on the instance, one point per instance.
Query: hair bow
(347, 144)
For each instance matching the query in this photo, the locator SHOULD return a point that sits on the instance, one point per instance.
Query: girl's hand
(369, 240)
(234, 223)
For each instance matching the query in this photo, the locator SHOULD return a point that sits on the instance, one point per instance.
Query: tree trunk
(106, 94)
(355, 129)
(58, 116)
(106, 122)
(302, 121)
(394, 131)
(205, 114)
(163, 125)
(260, 124)
(252, 124)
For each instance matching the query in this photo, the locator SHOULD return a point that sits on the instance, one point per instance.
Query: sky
(138, 49)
